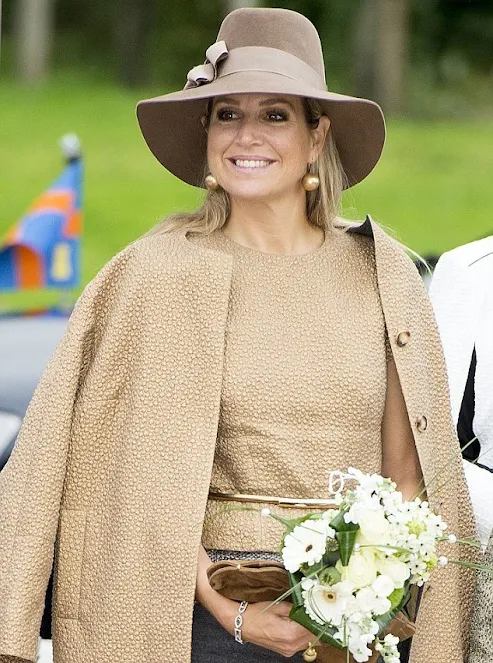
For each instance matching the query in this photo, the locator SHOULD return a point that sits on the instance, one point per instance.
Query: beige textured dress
(294, 403)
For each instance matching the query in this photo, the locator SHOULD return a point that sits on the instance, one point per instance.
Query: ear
(319, 135)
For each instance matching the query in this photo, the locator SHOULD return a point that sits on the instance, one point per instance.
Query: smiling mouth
(251, 164)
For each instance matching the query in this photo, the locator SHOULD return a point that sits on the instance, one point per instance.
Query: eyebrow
(275, 100)
(266, 102)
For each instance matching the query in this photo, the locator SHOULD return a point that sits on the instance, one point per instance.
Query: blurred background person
(462, 295)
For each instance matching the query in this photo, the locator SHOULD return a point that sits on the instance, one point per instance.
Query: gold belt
(292, 502)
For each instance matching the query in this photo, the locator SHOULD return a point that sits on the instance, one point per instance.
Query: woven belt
(292, 502)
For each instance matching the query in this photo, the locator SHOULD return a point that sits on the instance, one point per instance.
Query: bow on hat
(207, 72)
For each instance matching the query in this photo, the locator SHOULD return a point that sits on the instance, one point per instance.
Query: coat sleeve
(443, 619)
(481, 643)
(31, 483)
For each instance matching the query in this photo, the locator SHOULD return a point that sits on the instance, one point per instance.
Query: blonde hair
(322, 205)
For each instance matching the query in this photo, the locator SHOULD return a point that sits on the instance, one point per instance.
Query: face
(259, 145)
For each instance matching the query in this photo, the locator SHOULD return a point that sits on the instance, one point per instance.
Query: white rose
(361, 570)
(374, 528)
(396, 570)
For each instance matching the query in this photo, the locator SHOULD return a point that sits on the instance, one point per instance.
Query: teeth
(250, 164)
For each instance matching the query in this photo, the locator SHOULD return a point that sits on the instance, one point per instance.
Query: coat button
(403, 338)
(422, 424)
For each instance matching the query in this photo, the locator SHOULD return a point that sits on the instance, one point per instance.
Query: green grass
(432, 186)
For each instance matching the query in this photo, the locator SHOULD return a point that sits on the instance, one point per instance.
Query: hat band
(262, 60)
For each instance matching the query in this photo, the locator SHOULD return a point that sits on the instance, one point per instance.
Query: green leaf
(338, 522)
(294, 582)
(396, 597)
(315, 568)
(346, 542)
(299, 615)
(345, 535)
(331, 557)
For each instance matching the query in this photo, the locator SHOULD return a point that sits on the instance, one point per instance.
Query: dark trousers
(212, 644)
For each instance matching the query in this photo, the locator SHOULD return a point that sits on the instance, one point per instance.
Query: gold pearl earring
(310, 182)
(211, 183)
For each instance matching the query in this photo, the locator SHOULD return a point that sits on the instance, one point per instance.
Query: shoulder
(468, 254)
(126, 269)
(371, 240)
(463, 269)
(355, 249)
(162, 262)
(159, 255)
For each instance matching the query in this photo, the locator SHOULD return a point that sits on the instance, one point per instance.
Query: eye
(226, 115)
(277, 115)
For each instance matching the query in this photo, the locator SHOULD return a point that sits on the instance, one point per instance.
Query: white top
(461, 292)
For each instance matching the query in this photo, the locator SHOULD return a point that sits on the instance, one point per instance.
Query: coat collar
(365, 228)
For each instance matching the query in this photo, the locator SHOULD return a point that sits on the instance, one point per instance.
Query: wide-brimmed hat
(259, 51)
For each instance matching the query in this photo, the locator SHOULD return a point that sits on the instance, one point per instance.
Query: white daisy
(306, 544)
(326, 604)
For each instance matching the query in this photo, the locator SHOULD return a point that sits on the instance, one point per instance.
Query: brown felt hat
(259, 51)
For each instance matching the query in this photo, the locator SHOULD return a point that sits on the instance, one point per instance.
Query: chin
(252, 192)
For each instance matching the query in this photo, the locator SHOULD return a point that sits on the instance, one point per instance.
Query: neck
(280, 227)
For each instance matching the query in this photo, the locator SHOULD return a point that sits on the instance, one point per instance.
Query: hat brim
(173, 131)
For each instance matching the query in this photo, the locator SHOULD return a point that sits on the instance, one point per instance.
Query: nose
(248, 133)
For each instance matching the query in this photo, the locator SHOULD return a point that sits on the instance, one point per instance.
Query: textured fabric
(112, 467)
(289, 396)
(221, 555)
(480, 482)
(481, 650)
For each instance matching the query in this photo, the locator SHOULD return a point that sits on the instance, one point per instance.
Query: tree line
(369, 45)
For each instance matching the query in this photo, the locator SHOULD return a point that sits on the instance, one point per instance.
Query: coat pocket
(68, 563)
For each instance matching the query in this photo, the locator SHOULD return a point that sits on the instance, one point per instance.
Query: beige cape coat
(111, 469)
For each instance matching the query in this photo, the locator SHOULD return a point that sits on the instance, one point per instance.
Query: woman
(249, 347)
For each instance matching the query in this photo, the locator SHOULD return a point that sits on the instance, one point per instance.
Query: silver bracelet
(239, 621)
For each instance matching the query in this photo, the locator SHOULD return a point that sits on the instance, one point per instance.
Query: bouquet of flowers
(351, 567)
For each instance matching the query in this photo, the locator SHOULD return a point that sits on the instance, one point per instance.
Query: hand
(274, 630)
